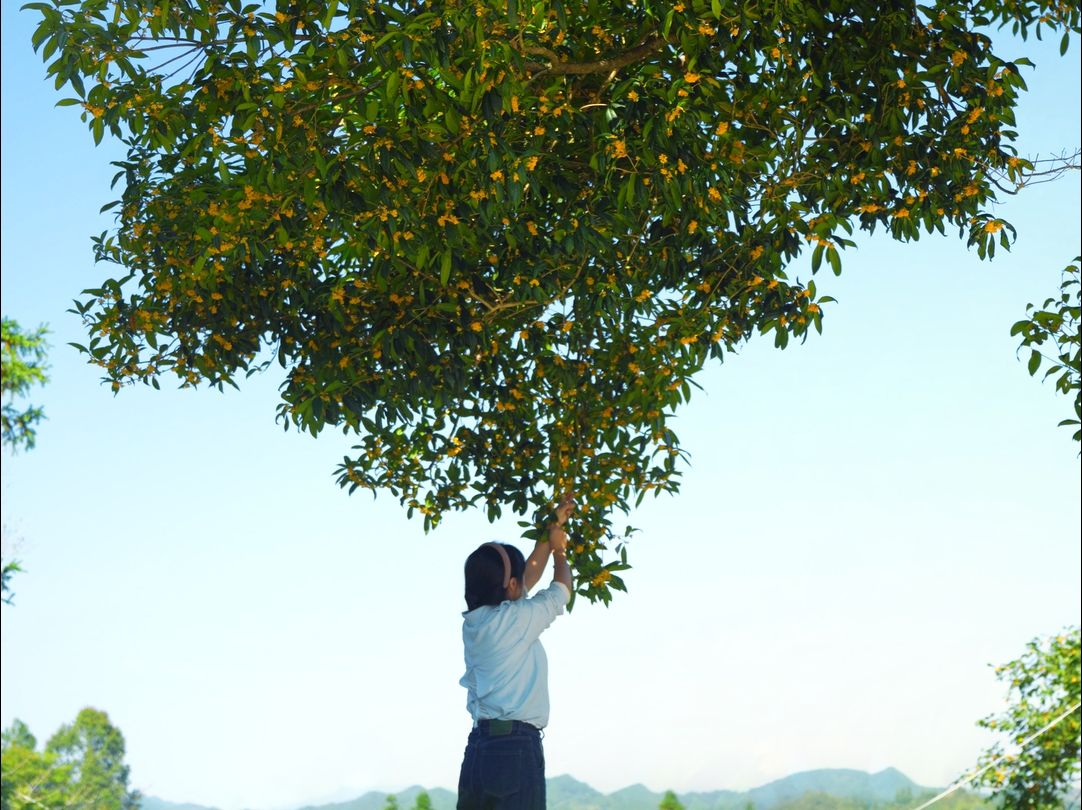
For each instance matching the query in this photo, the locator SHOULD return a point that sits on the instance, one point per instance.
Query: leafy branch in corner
(1052, 337)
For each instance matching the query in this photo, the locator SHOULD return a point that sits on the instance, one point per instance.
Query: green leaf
(1034, 361)
(328, 18)
(445, 267)
(835, 260)
(452, 119)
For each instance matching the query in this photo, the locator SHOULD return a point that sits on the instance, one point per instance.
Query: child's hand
(565, 508)
(557, 538)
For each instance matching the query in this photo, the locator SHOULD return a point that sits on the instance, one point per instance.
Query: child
(506, 669)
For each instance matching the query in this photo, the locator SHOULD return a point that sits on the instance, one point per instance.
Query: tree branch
(559, 66)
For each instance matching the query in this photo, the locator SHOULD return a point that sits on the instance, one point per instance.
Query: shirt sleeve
(541, 610)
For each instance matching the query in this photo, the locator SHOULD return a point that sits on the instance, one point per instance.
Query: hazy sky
(869, 521)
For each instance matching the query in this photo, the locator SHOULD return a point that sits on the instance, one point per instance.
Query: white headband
(506, 562)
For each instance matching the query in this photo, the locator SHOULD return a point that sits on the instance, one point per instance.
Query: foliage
(422, 802)
(10, 569)
(1044, 683)
(82, 765)
(28, 780)
(1057, 324)
(22, 365)
(497, 239)
(19, 734)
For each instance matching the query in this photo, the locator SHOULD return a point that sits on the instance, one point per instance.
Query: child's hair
(485, 574)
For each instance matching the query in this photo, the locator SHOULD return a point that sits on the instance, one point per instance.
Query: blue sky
(264, 640)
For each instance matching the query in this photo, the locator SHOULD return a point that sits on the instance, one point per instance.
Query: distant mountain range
(567, 793)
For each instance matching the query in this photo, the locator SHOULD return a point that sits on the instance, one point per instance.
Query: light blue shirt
(506, 668)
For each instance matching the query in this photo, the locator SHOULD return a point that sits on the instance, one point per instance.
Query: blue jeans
(503, 768)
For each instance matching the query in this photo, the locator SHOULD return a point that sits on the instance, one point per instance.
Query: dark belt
(500, 728)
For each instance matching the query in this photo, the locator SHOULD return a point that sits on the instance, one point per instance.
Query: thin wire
(967, 779)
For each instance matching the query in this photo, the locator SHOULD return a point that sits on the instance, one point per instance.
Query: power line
(969, 778)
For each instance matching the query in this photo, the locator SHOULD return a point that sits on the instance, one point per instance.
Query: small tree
(670, 802)
(91, 752)
(1044, 684)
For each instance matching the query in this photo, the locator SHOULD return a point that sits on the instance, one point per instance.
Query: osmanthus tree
(496, 239)
(1044, 696)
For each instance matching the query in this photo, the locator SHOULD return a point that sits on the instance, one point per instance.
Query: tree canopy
(497, 240)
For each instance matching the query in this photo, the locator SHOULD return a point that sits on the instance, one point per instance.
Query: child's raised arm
(539, 557)
(561, 571)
